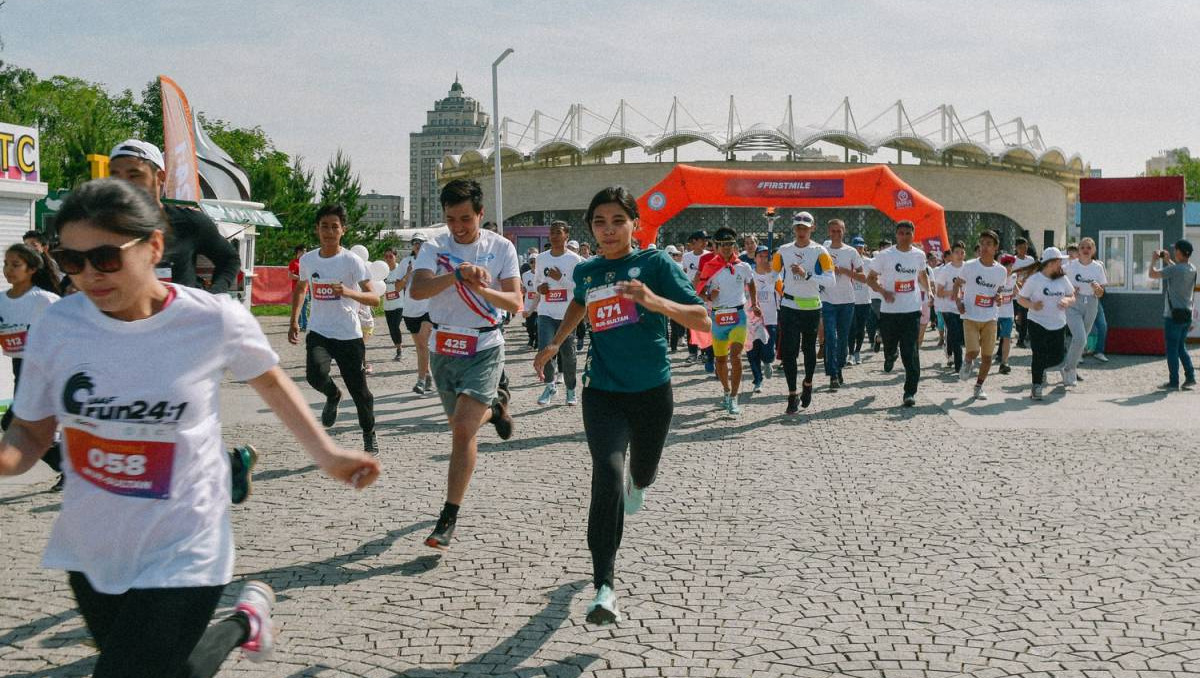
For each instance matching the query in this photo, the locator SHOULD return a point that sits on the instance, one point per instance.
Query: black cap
(1185, 247)
(725, 233)
(698, 235)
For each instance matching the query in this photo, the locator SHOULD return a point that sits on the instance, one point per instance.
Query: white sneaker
(1037, 393)
(1101, 357)
(767, 371)
(635, 497)
(255, 602)
(571, 399)
(603, 608)
(965, 373)
(547, 395)
(979, 392)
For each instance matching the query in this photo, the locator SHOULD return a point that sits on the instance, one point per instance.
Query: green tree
(341, 185)
(1188, 168)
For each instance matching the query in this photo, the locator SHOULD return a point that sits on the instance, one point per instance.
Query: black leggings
(858, 327)
(954, 337)
(1048, 349)
(349, 354)
(395, 320)
(615, 421)
(899, 332)
(798, 331)
(158, 633)
(53, 455)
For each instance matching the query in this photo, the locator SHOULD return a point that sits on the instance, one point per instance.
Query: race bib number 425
(459, 342)
(129, 459)
(607, 310)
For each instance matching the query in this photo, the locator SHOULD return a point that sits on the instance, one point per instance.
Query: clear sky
(1113, 80)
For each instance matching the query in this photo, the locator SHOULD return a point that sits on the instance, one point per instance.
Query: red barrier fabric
(271, 286)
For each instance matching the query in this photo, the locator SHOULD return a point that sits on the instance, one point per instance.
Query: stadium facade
(986, 174)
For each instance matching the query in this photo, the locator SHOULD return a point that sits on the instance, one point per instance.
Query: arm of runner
(566, 329)
(362, 295)
(24, 443)
(297, 302)
(222, 254)
(426, 285)
(923, 278)
(873, 283)
(691, 316)
(508, 297)
(283, 397)
(826, 277)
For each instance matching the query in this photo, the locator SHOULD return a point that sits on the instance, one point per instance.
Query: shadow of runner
(33, 628)
(504, 659)
(80, 668)
(332, 572)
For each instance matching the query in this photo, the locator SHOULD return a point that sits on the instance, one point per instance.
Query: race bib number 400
(554, 296)
(324, 291)
(905, 285)
(608, 310)
(129, 459)
(459, 342)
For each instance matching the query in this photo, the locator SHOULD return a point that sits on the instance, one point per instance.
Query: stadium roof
(939, 134)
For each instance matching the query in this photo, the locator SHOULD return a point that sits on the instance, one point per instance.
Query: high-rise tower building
(456, 124)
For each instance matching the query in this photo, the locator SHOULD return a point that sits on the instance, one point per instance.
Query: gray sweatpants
(1080, 317)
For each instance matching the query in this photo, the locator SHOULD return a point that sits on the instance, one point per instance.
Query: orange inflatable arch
(876, 186)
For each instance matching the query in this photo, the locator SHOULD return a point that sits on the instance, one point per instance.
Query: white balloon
(376, 286)
(360, 252)
(379, 270)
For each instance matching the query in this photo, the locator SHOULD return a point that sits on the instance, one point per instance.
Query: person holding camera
(1179, 280)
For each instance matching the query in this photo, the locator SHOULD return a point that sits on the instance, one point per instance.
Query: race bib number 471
(129, 459)
(607, 310)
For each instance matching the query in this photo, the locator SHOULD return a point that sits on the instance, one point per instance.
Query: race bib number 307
(607, 310)
(133, 460)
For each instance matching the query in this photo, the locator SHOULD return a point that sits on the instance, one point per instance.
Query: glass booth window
(1127, 256)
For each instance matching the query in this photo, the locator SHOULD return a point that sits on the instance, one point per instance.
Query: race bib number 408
(905, 285)
(129, 459)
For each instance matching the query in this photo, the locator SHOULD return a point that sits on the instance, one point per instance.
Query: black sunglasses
(105, 258)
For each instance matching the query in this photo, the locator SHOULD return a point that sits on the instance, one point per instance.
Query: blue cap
(857, 241)
(761, 248)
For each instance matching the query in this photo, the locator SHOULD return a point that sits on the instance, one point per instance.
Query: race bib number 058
(129, 459)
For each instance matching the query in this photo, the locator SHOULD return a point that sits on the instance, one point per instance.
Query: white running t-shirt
(981, 284)
(1082, 276)
(146, 495)
(900, 273)
(393, 299)
(1048, 291)
(558, 297)
(332, 315)
(17, 315)
(842, 290)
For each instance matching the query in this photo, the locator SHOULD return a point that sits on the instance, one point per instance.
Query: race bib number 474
(129, 459)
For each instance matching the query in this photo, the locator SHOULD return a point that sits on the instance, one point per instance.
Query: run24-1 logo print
(79, 398)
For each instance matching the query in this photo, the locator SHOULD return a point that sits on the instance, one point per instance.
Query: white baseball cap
(137, 148)
(803, 219)
(671, 249)
(1051, 253)
(572, 244)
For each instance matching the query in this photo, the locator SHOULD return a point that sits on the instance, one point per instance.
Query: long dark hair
(112, 205)
(39, 263)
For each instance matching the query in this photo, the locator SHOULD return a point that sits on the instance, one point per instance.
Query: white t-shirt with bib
(731, 285)
(393, 299)
(442, 255)
(146, 495)
(900, 273)
(1082, 276)
(768, 296)
(805, 291)
(690, 261)
(1007, 291)
(413, 308)
(981, 284)
(554, 303)
(943, 279)
(1048, 291)
(333, 317)
(531, 294)
(17, 315)
(842, 290)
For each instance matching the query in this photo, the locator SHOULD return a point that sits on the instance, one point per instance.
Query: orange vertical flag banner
(179, 141)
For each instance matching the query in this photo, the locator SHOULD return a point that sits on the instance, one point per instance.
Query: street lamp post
(496, 141)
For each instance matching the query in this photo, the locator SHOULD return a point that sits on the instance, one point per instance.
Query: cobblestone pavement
(859, 539)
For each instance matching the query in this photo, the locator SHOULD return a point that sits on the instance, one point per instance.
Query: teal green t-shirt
(630, 357)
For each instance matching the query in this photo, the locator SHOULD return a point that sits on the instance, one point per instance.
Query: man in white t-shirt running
(340, 281)
(470, 277)
(978, 291)
(1025, 266)
(416, 317)
(837, 302)
(804, 266)
(690, 261)
(553, 282)
(898, 275)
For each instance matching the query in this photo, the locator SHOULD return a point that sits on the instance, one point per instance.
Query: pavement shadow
(332, 571)
(1142, 399)
(505, 658)
(76, 669)
(20, 497)
(28, 630)
(276, 474)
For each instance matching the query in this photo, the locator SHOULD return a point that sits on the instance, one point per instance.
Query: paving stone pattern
(858, 539)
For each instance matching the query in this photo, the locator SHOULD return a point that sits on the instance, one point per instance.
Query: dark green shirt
(632, 357)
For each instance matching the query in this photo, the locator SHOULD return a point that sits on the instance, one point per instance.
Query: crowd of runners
(132, 424)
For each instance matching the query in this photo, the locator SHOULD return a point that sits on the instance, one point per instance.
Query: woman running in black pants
(131, 369)
(628, 296)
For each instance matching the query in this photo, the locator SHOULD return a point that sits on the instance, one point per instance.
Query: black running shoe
(793, 405)
(58, 485)
(241, 462)
(1004, 368)
(841, 379)
(371, 444)
(833, 383)
(501, 420)
(805, 394)
(329, 412)
(442, 532)
(888, 363)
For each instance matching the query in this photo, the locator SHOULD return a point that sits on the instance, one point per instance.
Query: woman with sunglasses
(144, 531)
(20, 306)
(628, 295)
